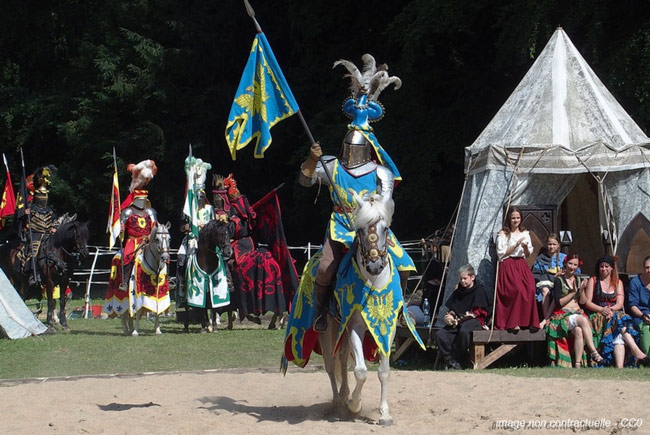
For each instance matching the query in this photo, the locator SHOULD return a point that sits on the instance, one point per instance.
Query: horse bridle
(164, 249)
(76, 248)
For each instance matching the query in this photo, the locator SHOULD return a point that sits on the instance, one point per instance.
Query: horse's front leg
(384, 375)
(343, 354)
(157, 325)
(136, 324)
(63, 300)
(127, 323)
(357, 331)
(326, 341)
(51, 305)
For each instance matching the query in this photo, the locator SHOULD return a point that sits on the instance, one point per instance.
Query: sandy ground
(241, 402)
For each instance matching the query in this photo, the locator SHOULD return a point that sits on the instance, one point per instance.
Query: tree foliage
(150, 77)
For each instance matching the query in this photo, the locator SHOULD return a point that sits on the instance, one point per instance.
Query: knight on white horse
(371, 276)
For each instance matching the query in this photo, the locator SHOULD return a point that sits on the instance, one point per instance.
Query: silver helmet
(355, 150)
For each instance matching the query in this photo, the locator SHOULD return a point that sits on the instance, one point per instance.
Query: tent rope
(470, 166)
(602, 194)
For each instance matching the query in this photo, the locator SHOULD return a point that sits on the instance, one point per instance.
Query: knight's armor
(40, 222)
(362, 167)
(137, 221)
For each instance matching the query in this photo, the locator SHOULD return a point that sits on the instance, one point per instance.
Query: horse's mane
(61, 234)
(374, 207)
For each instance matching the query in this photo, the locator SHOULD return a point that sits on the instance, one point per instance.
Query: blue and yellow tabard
(379, 307)
(340, 230)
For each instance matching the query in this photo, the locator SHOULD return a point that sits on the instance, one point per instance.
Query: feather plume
(372, 81)
(352, 69)
(141, 174)
(369, 65)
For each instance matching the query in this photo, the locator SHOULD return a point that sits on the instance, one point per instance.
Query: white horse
(369, 297)
(152, 296)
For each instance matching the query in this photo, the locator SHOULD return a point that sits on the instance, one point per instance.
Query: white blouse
(504, 243)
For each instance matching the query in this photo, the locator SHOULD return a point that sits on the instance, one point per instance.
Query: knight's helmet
(355, 150)
(220, 201)
(42, 181)
(363, 107)
(141, 175)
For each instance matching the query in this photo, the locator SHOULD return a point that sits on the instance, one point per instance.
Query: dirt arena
(241, 402)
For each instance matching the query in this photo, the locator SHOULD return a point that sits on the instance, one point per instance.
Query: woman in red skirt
(516, 305)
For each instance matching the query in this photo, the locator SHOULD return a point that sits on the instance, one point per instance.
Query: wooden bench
(508, 341)
(404, 339)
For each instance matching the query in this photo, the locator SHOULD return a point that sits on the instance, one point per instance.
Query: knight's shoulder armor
(152, 213)
(384, 174)
(125, 214)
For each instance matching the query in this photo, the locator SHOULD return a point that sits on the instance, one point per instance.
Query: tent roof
(560, 119)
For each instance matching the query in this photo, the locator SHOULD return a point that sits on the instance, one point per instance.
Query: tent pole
(451, 243)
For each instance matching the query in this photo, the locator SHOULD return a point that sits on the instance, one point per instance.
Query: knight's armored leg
(322, 297)
(327, 267)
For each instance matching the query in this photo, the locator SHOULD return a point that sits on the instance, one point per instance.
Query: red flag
(113, 227)
(269, 231)
(8, 202)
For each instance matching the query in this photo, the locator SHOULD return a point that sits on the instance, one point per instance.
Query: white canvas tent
(559, 128)
(16, 320)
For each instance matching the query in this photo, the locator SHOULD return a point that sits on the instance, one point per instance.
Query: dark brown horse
(60, 253)
(215, 234)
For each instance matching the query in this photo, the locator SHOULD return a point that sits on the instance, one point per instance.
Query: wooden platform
(404, 339)
(508, 341)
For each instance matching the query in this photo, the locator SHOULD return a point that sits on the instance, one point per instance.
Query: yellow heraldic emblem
(349, 293)
(3, 203)
(254, 99)
(142, 222)
(380, 308)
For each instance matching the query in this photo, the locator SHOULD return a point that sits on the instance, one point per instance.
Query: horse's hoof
(158, 331)
(385, 421)
(50, 330)
(354, 409)
(66, 328)
(204, 330)
(254, 319)
(134, 334)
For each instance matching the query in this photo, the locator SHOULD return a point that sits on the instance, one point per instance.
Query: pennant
(191, 205)
(262, 100)
(21, 198)
(8, 201)
(113, 226)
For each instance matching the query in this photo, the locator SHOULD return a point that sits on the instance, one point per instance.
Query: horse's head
(372, 218)
(72, 236)
(218, 233)
(159, 239)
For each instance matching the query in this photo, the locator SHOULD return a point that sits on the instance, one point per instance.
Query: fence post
(89, 282)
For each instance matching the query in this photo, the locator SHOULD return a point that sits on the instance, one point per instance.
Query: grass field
(97, 346)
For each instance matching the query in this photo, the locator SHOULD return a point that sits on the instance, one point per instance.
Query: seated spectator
(639, 300)
(467, 307)
(516, 306)
(568, 330)
(614, 331)
(547, 266)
